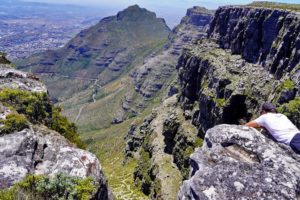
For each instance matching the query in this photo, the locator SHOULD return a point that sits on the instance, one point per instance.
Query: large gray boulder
(237, 162)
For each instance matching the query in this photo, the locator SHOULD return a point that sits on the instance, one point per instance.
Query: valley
(163, 109)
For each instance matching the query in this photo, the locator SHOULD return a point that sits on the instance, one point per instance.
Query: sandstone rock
(15, 79)
(237, 162)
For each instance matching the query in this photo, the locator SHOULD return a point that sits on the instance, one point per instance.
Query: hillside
(100, 53)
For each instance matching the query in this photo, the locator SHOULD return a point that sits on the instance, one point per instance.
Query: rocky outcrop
(15, 79)
(237, 162)
(218, 87)
(28, 147)
(40, 151)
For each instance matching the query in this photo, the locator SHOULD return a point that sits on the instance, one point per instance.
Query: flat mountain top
(275, 5)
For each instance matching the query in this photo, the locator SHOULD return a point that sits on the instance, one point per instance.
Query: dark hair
(269, 107)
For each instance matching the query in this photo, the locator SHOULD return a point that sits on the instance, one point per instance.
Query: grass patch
(292, 110)
(14, 122)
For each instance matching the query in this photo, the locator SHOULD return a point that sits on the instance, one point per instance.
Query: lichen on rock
(237, 162)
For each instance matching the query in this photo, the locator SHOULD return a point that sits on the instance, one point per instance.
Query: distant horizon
(171, 10)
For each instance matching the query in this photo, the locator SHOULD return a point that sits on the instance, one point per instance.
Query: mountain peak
(135, 12)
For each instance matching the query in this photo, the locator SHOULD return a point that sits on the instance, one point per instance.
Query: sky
(171, 10)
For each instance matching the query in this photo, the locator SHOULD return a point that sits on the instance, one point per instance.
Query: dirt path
(79, 113)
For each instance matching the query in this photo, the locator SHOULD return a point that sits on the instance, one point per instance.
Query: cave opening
(236, 111)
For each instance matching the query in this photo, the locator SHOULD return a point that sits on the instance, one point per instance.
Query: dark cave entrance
(236, 112)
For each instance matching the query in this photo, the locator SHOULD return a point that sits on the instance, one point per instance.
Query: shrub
(36, 106)
(14, 122)
(61, 186)
(292, 110)
(60, 124)
(38, 109)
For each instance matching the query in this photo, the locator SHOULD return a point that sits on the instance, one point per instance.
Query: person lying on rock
(278, 125)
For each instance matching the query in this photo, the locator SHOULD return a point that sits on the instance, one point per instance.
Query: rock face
(27, 147)
(39, 151)
(250, 57)
(15, 79)
(238, 162)
(162, 144)
(269, 37)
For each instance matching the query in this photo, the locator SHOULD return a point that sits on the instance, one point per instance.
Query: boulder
(237, 162)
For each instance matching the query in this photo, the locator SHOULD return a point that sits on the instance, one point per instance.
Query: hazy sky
(171, 10)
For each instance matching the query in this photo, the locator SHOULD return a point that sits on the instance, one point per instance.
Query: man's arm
(253, 124)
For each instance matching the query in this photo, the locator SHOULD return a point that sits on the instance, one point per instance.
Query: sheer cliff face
(251, 56)
(265, 36)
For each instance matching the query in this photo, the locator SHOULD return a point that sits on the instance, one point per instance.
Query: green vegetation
(3, 59)
(142, 177)
(61, 186)
(14, 122)
(288, 84)
(292, 110)
(285, 85)
(220, 102)
(38, 110)
(275, 5)
(36, 106)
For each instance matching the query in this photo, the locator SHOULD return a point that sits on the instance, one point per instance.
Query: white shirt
(279, 126)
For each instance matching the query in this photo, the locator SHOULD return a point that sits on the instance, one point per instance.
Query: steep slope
(39, 157)
(101, 53)
(122, 95)
(249, 57)
(164, 140)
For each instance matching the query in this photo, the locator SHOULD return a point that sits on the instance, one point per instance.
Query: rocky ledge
(237, 162)
(38, 145)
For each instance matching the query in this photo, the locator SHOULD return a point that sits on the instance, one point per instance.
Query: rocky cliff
(237, 162)
(250, 57)
(37, 161)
